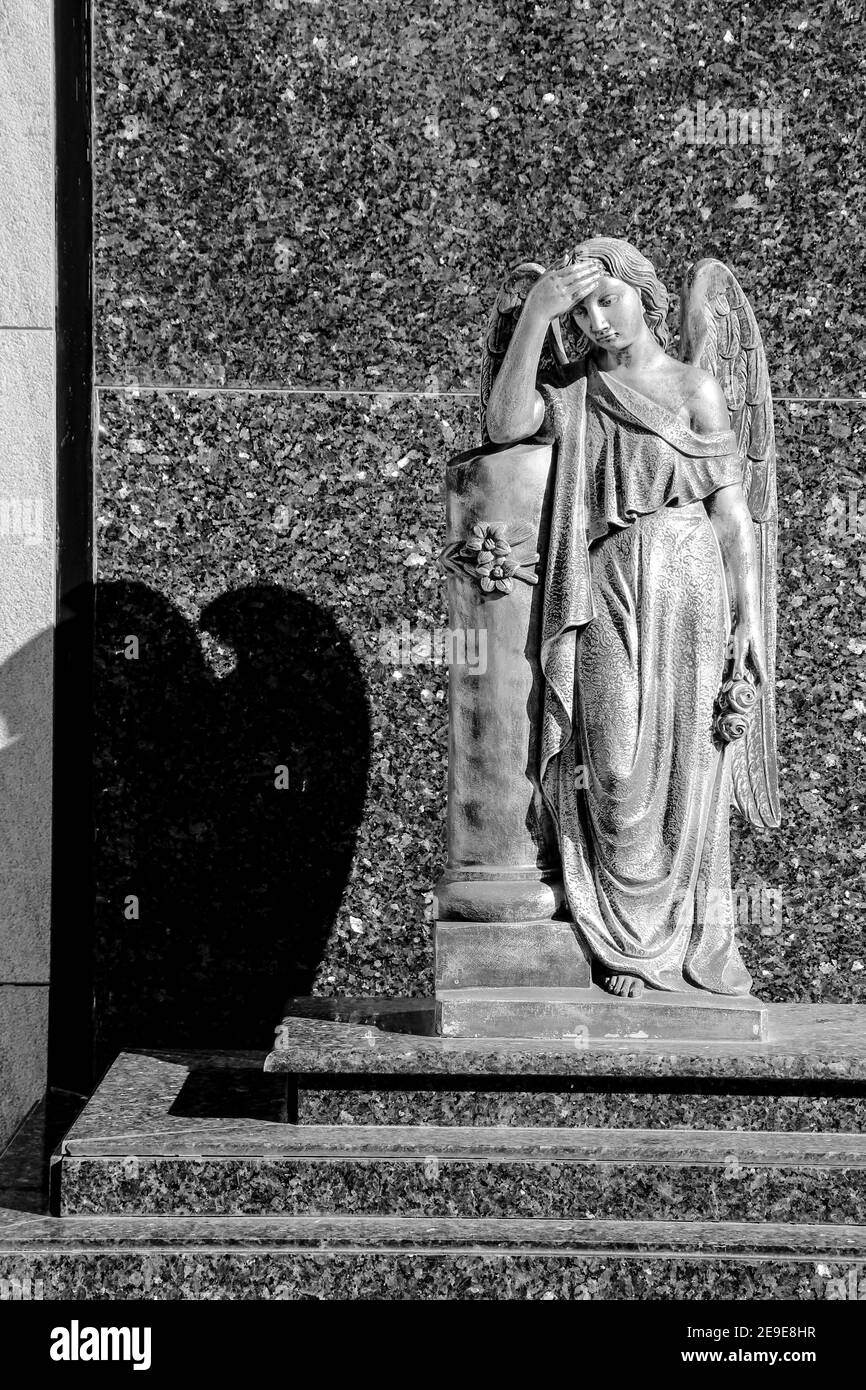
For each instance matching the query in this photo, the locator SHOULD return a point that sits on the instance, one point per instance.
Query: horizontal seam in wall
(24, 984)
(337, 392)
(283, 390)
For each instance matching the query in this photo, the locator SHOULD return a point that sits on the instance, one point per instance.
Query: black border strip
(70, 1064)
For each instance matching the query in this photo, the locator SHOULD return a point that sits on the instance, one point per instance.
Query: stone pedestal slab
(594, 1015)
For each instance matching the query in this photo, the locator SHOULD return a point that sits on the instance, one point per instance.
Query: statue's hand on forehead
(559, 289)
(590, 260)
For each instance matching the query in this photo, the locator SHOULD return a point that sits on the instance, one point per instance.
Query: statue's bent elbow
(505, 432)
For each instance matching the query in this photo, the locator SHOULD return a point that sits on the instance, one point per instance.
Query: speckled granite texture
(720, 1190)
(577, 1104)
(326, 194)
(186, 1134)
(199, 1192)
(258, 546)
(297, 200)
(197, 1105)
(807, 1045)
(197, 1274)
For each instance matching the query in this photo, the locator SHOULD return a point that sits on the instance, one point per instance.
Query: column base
(542, 953)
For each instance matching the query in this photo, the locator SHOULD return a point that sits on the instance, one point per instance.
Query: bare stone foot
(626, 986)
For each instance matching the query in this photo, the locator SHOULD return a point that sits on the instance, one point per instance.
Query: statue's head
(628, 296)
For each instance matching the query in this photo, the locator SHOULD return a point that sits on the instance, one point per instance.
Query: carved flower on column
(488, 557)
(489, 551)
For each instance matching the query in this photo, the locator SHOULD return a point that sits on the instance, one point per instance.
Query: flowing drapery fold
(635, 625)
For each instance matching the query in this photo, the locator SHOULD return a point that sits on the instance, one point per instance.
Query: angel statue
(657, 630)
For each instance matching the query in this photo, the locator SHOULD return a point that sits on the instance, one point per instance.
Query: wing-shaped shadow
(227, 810)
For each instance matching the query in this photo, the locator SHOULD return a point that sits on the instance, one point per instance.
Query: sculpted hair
(623, 260)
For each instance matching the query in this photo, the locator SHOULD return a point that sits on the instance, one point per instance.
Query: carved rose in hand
(730, 727)
(737, 700)
(740, 696)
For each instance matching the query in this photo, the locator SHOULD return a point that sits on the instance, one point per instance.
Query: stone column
(27, 547)
(501, 922)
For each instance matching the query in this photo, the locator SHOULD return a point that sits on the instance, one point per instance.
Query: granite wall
(302, 212)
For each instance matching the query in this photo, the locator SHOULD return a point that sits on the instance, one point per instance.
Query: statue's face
(612, 316)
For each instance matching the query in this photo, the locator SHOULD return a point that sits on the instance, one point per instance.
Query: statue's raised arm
(530, 338)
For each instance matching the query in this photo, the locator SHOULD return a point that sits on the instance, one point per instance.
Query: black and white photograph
(432, 681)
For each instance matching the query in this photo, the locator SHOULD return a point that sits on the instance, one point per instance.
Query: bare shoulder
(693, 380)
(705, 399)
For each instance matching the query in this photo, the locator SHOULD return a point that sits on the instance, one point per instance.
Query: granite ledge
(424, 1235)
(364, 1142)
(808, 1042)
(178, 1105)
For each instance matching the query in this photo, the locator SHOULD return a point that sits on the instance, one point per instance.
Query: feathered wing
(500, 327)
(719, 332)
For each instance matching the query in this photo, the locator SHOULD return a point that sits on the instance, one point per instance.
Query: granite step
(397, 1258)
(435, 1173)
(167, 1258)
(283, 1210)
(586, 1102)
(375, 1061)
(422, 1235)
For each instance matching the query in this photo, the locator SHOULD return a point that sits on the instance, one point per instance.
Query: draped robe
(635, 628)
